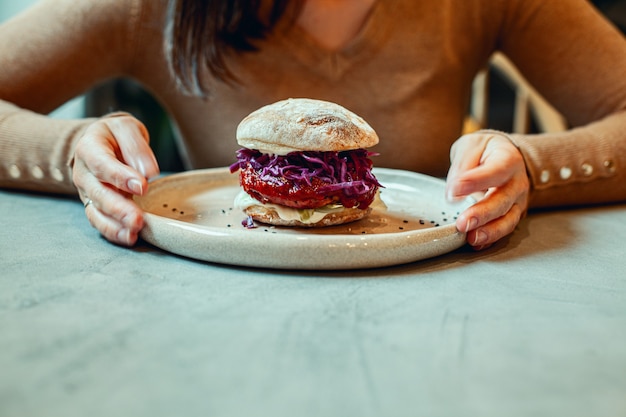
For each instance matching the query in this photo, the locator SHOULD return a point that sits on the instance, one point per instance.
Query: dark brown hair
(200, 34)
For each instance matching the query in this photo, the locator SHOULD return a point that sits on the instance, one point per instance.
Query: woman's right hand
(112, 162)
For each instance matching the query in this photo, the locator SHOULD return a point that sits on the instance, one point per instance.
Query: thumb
(133, 140)
(466, 154)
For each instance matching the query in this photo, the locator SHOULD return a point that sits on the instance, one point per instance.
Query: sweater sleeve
(577, 60)
(51, 53)
(35, 150)
(585, 165)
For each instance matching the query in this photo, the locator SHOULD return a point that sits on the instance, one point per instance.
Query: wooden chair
(529, 104)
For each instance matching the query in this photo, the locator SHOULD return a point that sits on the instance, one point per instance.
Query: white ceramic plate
(191, 214)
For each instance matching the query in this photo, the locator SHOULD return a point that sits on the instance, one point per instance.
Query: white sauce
(243, 200)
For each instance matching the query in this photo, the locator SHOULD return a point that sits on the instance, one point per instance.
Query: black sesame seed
(422, 222)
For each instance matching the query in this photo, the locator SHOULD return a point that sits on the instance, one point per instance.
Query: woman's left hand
(488, 162)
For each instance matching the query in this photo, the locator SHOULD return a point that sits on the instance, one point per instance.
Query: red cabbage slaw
(347, 173)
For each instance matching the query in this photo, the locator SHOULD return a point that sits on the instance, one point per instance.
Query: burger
(305, 163)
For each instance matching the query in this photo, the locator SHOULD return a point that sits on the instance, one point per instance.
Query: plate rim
(304, 241)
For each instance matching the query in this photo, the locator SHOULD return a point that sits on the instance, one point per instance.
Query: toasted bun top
(302, 124)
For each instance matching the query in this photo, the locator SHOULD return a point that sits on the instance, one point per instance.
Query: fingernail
(135, 186)
(480, 238)
(124, 236)
(472, 223)
(141, 167)
(450, 196)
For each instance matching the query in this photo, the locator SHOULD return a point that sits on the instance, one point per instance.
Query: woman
(405, 66)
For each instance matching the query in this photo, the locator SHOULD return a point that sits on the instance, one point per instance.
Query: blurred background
(122, 94)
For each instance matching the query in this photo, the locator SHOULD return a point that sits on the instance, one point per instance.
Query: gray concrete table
(535, 326)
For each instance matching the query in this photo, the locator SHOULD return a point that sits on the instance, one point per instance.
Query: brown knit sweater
(408, 73)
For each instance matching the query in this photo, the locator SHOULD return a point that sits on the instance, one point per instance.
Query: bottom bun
(268, 215)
